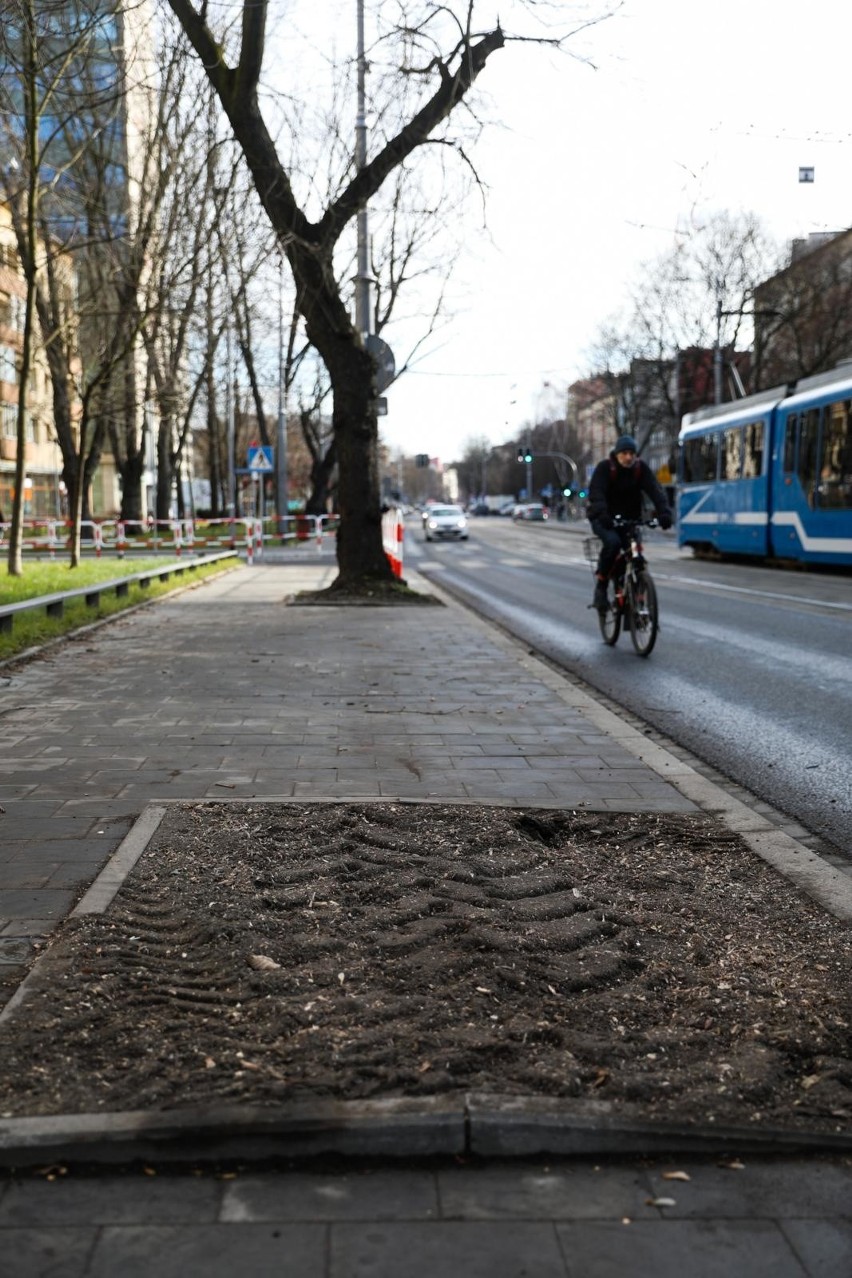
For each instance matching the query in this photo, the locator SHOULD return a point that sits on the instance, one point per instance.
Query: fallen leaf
(733, 1165)
(810, 1080)
(262, 963)
(660, 1202)
(676, 1175)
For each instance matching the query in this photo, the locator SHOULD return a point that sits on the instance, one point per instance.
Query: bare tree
(65, 100)
(697, 296)
(803, 314)
(441, 54)
(41, 47)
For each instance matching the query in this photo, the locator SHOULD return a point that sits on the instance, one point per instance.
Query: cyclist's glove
(665, 521)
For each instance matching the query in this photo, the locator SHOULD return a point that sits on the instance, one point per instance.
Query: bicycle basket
(592, 547)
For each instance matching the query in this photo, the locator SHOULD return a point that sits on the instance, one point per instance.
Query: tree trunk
(361, 559)
(321, 472)
(131, 488)
(164, 469)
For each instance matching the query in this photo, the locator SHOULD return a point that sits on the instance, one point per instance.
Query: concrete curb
(467, 1125)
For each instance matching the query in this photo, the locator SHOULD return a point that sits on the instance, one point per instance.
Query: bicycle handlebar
(619, 521)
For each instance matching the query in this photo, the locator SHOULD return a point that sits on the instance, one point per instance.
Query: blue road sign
(260, 458)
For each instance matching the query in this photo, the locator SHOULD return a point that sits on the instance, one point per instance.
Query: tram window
(807, 458)
(699, 459)
(790, 444)
(753, 450)
(835, 464)
(732, 452)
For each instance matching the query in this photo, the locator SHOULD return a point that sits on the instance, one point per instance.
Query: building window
(8, 366)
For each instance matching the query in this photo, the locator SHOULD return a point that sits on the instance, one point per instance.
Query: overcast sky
(686, 109)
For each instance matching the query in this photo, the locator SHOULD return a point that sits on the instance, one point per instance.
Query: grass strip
(31, 629)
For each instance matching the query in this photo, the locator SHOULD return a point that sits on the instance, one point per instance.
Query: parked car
(445, 521)
(532, 511)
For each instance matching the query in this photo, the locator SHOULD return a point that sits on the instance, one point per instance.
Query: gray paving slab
(216, 1251)
(795, 1189)
(451, 1249)
(673, 1249)
(366, 1194)
(823, 1247)
(542, 1193)
(124, 1200)
(46, 1253)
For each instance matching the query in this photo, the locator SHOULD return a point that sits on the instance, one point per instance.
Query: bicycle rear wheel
(643, 616)
(610, 621)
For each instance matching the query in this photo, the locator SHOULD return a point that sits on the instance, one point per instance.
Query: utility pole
(363, 280)
(717, 356)
(282, 501)
(231, 445)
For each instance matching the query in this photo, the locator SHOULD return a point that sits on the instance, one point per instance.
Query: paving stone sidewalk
(223, 692)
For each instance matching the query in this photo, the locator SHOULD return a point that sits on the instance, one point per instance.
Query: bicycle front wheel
(610, 621)
(642, 613)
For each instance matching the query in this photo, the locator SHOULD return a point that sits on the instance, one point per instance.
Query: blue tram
(770, 475)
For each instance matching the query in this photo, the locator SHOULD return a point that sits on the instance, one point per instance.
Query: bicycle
(631, 594)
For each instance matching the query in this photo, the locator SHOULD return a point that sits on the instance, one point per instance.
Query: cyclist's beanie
(624, 442)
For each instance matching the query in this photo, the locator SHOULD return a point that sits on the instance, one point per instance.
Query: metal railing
(171, 536)
(54, 604)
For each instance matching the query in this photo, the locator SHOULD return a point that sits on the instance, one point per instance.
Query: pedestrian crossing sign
(260, 458)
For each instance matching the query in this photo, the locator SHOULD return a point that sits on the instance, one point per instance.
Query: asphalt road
(751, 672)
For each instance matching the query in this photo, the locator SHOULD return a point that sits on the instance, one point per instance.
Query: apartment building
(43, 488)
(92, 129)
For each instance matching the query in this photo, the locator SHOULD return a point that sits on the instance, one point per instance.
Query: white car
(445, 521)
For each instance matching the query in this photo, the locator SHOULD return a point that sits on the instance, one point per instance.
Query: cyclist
(618, 483)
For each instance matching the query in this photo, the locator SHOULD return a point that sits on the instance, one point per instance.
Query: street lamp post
(231, 434)
(363, 280)
(281, 436)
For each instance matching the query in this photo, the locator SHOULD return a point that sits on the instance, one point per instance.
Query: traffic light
(582, 494)
(421, 461)
(525, 454)
(566, 492)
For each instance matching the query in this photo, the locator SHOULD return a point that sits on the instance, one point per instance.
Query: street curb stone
(464, 1126)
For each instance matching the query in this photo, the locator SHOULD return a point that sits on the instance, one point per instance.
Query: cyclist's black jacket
(617, 490)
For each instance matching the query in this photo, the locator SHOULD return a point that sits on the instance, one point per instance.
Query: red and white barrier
(393, 534)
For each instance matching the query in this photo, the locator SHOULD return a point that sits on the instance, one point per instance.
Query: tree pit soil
(266, 953)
